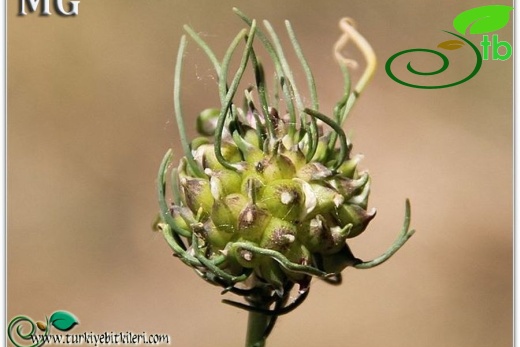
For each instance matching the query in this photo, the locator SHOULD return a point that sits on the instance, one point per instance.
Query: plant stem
(257, 321)
(256, 325)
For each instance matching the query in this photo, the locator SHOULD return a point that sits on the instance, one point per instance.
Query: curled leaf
(63, 320)
(451, 44)
(483, 19)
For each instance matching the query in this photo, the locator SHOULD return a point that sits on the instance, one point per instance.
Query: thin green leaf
(305, 65)
(202, 44)
(286, 87)
(229, 98)
(178, 110)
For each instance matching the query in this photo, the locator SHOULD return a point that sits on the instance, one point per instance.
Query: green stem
(256, 325)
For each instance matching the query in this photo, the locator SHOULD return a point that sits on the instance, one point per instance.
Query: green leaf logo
(451, 44)
(63, 320)
(482, 20)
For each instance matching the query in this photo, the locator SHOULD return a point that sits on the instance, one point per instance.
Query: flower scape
(269, 195)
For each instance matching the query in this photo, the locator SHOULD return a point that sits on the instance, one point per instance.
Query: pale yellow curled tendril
(347, 25)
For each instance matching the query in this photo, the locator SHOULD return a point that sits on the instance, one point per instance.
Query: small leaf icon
(63, 320)
(483, 19)
(451, 44)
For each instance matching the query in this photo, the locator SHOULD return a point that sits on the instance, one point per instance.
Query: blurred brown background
(90, 116)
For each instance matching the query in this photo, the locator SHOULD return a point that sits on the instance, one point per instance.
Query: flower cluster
(270, 193)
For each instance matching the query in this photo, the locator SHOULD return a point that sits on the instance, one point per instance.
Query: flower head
(270, 194)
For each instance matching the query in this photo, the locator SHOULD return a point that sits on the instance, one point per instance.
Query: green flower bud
(314, 172)
(205, 155)
(355, 215)
(348, 187)
(296, 156)
(179, 220)
(284, 199)
(252, 183)
(229, 181)
(322, 151)
(225, 212)
(276, 167)
(348, 168)
(252, 222)
(198, 141)
(196, 194)
(252, 138)
(361, 199)
(250, 152)
(244, 257)
(324, 237)
(327, 197)
(207, 121)
(218, 237)
(278, 235)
